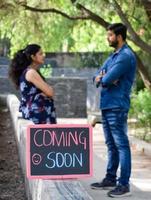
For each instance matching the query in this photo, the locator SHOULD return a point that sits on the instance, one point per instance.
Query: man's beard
(114, 44)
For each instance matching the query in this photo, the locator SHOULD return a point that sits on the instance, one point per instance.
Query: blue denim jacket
(119, 76)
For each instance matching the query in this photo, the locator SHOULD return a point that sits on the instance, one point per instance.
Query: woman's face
(39, 57)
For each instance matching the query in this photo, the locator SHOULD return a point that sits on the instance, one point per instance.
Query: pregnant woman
(37, 102)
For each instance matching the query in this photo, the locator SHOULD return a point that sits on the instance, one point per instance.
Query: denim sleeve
(119, 68)
(103, 67)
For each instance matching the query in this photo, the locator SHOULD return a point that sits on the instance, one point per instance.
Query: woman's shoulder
(30, 74)
(31, 71)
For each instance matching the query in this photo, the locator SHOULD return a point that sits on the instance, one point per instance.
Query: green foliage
(139, 84)
(49, 30)
(56, 33)
(52, 31)
(88, 36)
(141, 110)
(46, 70)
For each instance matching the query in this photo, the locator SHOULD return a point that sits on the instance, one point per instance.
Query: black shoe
(120, 191)
(106, 184)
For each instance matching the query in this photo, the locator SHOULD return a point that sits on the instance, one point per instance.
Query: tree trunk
(147, 7)
(143, 73)
(87, 14)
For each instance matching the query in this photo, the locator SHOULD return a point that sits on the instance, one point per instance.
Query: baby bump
(42, 103)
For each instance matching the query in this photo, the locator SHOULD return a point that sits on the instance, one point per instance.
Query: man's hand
(97, 79)
(102, 73)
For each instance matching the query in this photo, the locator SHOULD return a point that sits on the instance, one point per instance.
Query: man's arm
(121, 66)
(100, 73)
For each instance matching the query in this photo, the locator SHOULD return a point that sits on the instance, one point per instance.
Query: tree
(147, 7)
(71, 13)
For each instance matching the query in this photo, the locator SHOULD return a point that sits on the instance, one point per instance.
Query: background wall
(71, 76)
(70, 95)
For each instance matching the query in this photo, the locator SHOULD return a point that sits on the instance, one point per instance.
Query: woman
(37, 102)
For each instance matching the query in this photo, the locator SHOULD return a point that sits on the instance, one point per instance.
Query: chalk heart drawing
(36, 159)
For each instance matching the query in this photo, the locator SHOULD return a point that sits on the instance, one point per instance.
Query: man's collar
(117, 51)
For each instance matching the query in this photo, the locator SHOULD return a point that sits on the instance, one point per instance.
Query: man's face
(112, 39)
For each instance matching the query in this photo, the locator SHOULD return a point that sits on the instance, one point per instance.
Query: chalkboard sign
(59, 151)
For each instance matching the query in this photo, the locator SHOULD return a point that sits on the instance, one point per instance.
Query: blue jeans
(115, 132)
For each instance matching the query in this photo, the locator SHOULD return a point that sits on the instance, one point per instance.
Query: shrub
(46, 70)
(141, 110)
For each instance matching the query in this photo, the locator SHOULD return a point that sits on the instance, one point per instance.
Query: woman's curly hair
(21, 60)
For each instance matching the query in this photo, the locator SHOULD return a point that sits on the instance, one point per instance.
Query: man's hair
(118, 29)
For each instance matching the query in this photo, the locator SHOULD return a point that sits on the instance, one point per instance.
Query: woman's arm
(33, 77)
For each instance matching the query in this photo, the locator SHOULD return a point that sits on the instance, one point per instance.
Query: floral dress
(34, 105)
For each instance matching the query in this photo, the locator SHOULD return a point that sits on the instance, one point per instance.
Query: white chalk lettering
(52, 160)
(58, 160)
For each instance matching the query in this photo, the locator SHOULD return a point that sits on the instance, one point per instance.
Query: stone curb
(38, 189)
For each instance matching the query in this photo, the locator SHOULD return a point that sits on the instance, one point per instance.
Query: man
(116, 77)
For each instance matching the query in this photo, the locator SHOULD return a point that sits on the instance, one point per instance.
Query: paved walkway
(141, 170)
(140, 179)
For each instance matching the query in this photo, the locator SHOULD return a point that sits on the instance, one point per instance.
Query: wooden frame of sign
(59, 151)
